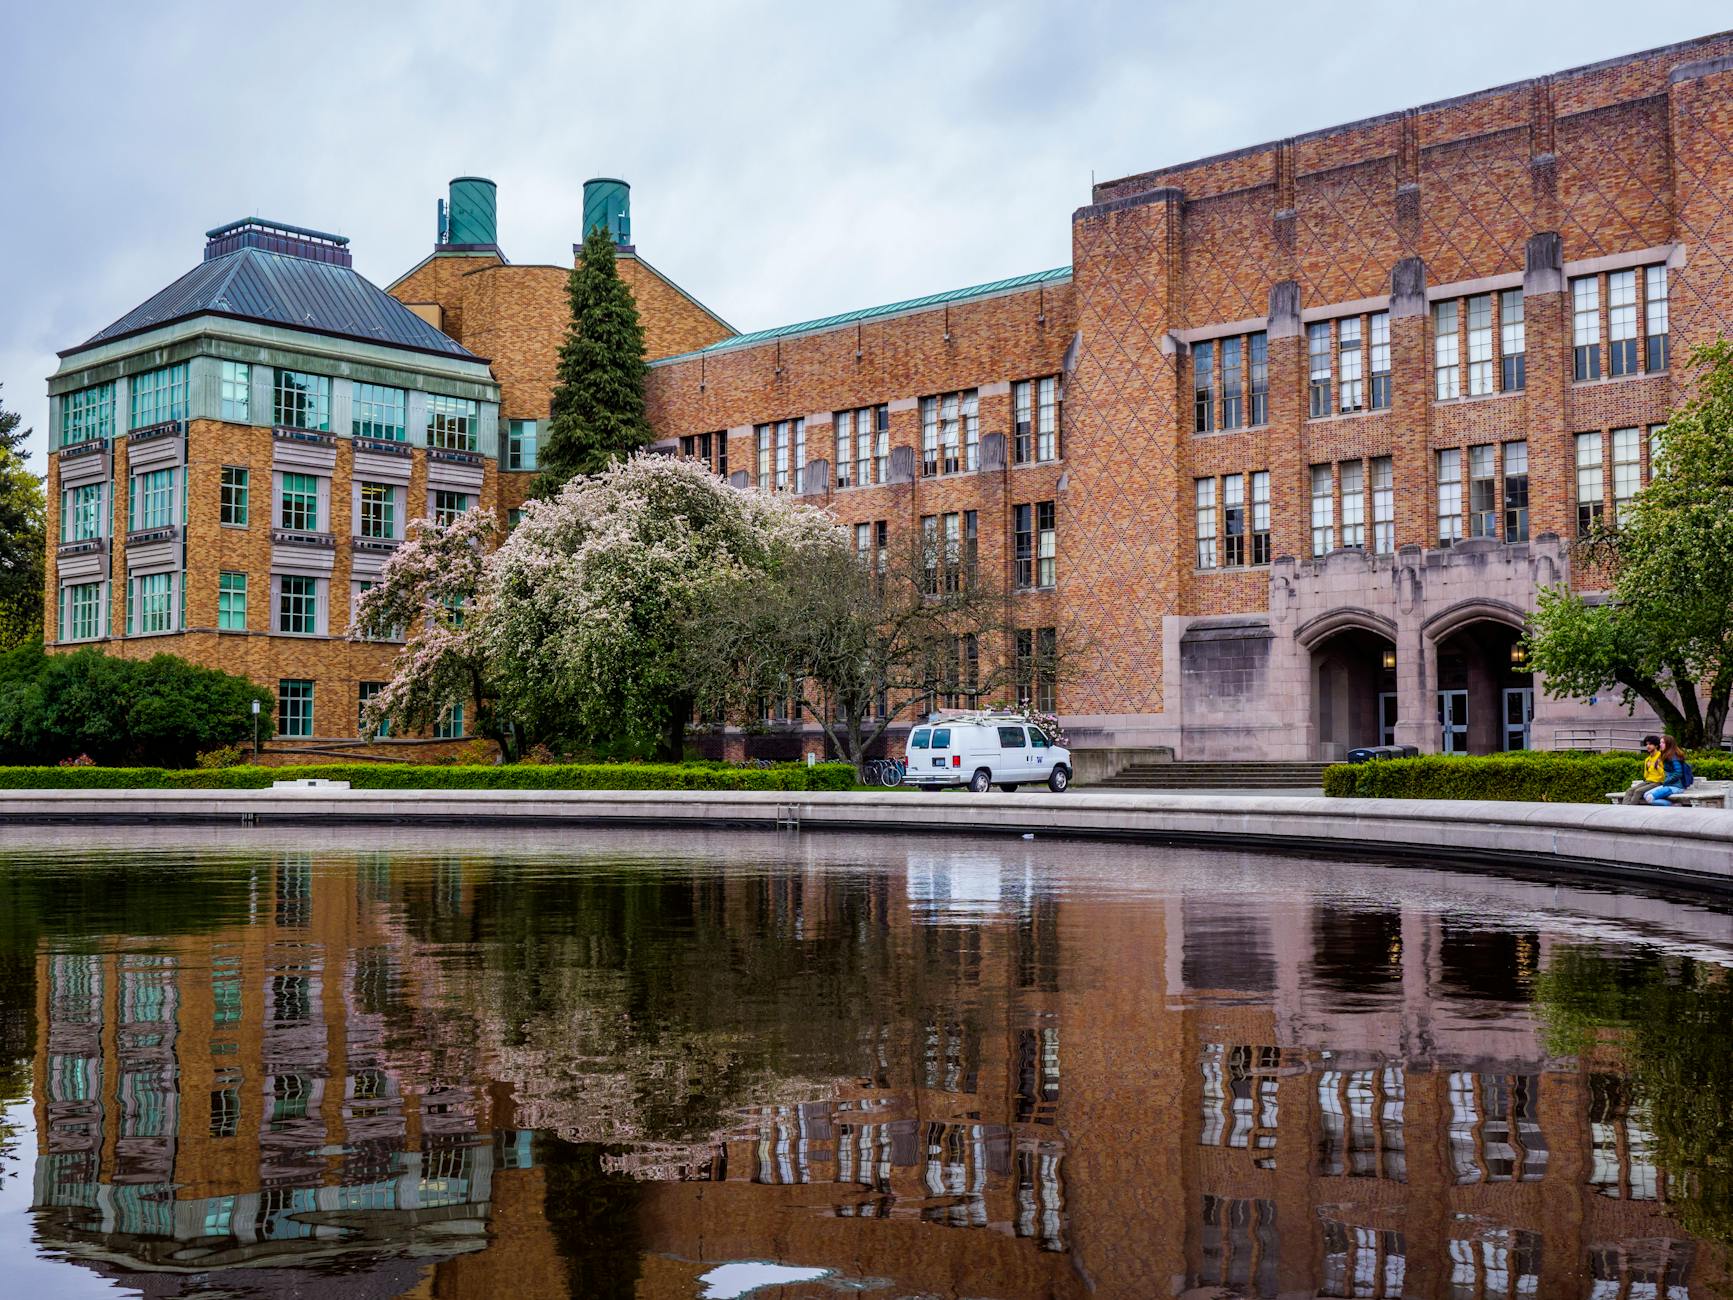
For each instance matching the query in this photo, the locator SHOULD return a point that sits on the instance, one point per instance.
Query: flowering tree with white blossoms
(427, 589)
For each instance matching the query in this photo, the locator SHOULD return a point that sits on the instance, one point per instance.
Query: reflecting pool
(469, 1064)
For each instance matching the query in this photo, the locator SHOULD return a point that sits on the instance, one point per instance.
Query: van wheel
(1009, 789)
(982, 781)
(1058, 779)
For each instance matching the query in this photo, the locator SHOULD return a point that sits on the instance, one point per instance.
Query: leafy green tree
(598, 407)
(1664, 632)
(23, 538)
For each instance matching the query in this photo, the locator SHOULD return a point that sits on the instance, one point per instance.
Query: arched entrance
(1485, 687)
(1353, 687)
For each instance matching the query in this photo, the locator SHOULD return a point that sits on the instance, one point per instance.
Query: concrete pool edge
(1679, 846)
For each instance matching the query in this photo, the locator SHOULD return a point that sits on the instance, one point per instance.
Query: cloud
(787, 160)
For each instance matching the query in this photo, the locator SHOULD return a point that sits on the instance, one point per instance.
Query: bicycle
(891, 772)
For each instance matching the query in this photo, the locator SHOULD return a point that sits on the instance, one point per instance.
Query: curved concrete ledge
(1681, 846)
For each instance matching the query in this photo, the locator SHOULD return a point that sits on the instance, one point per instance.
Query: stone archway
(1483, 686)
(1352, 681)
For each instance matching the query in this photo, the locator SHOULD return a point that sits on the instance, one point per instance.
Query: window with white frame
(1383, 506)
(87, 414)
(950, 433)
(1233, 382)
(235, 391)
(1482, 492)
(150, 606)
(1622, 323)
(232, 510)
(843, 424)
(452, 422)
(294, 707)
(872, 443)
(1446, 354)
(1480, 345)
(1449, 475)
(153, 500)
(82, 512)
(1258, 347)
(1035, 420)
(1627, 471)
(1261, 517)
(81, 611)
(1591, 483)
(1046, 544)
(1233, 522)
(1318, 367)
(781, 455)
(522, 445)
(158, 396)
(1655, 318)
(377, 511)
(1351, 365)
(1353, 476)
(299, 508)
(1378, 335)
(1586, 327)
(1515, 458)
(1203, 386)
(1206, 523)
(1323, 510)
(379, 412)
(1512, 342)
(301, 400)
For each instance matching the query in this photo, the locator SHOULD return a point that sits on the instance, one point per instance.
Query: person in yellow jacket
(1654, 771)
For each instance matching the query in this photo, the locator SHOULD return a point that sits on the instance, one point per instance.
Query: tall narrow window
(300, 509)
(523, 445)
(844, 424)
(1591, 484)
(1260, 350)
(881, 443)
(234, 497)
(1233, 549)
(1023, 545)
(1206, 523)
(1378, 329)
(82, 515)
(971, 546)
(1482, 492)
(81, 612)
(1351, 365)
(950, 434)
(153, 500)
(1446, 353)
(232, 602)
(953, 552)
(1655, 317)
(784, 447)
(929, 436)
(1512, 342)
(969, 414)
(1586, 328)
(1261, 517)
(1353, 505)
(1233, 383)
(152, 605)
(1046, 418)
(1046, 669)
(1046, 544)
(378, 411)
(1449, 496)
(1516, 491)
(378, 510)
(764, 436)
(1383, 506)
(365, 694)
(1202, 381)
(1627, 471)
(797, 476)
(1622, 323)
(235, 391)
(1318, 367)
(1480, 345)
(1023, 422)
(1323, 511)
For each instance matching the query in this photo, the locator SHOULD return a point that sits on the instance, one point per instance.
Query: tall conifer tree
(598, 407)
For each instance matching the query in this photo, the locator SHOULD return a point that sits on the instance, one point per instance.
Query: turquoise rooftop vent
(608, 204)
(472, 218)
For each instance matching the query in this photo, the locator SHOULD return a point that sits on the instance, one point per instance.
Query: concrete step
(1216, 776)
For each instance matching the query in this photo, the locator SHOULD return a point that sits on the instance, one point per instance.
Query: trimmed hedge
(1539, 777)
(393, 776)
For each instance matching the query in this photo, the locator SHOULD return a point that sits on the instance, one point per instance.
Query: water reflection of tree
(1671, 1020)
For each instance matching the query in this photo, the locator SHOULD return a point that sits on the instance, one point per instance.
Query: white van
(982, 750)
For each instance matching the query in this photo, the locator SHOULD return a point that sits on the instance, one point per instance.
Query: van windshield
(919, 739)
(941, 737)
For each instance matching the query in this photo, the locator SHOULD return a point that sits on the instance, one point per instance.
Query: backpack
(1686, 775)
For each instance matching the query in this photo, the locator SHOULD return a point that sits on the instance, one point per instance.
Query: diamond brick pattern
(1477, 207)
(1347, 232)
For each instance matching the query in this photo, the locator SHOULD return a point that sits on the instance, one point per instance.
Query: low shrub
(1539, 777)
(383, 776)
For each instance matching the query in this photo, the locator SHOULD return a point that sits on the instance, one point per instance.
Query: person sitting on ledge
(1653, 772)
(1676, 778)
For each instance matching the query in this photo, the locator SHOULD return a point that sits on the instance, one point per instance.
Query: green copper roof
(1058, 275)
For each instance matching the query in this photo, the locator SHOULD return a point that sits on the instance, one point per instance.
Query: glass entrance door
(1518, 717)
(1453, 722)
(1387, 717)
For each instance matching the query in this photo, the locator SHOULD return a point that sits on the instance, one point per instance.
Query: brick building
(1291, 445)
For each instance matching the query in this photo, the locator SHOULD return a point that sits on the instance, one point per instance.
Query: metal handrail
(1597, 738)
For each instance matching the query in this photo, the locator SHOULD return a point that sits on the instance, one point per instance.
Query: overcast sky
(786, 160)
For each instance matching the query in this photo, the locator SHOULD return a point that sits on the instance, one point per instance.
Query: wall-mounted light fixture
(1389, 658)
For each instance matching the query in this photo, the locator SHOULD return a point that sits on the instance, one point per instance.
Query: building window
(1586, 328)
(86, 414)
(81, 612)
(152, 503)
(1203, 387)
(1261, 517)
(1046, 545)
(1480, 345)
(301, 401)
(298, 605)
(235, 391)
(1035, 420)
(231, 602)
(1351, 364)
(234, 497)
(1482, 493)
(158, 396)
(378, 511)
(380, 412)
(1318, 367)
(294, 707)
(450, 723)
(930, 554)
(950, 433)
(778, 443)
(365, 694)
(447, 506)
(843, 422)
(1513, 344)
(82, 513)
(521, 445)
(1383, 506)
(1622, 323)
(1655, 317)
(150, 607)
(1446, 355)
(1449, 496)
(300, 509)
(1590, 484)
(1353, 474)
(1260, 352)
(1206, 523)
(1023, 545)
(1516, 491)
(1323, 511)
(1234, 521)
(1233, 383)
(1035, 668)
(1378, 329)
(452, 422)
(1627, 471)
(871, 428)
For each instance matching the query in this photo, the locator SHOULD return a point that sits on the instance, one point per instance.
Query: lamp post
(255, 732)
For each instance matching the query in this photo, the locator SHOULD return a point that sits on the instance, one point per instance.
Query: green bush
(393, 776)
(1539, 777)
